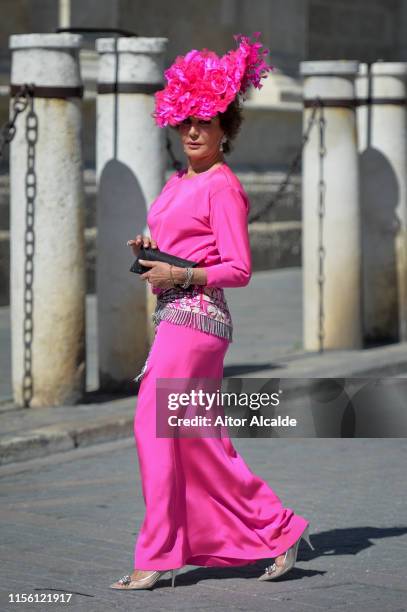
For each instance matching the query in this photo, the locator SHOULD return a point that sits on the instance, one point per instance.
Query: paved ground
(69, 521)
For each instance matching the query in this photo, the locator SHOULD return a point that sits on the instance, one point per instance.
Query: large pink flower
(217, 77)
(203, 84)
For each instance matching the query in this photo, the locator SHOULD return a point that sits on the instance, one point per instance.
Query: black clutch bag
(151, 254)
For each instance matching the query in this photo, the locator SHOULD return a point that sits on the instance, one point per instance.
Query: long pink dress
(203, 504)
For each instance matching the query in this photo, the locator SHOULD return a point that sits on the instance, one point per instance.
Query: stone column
(382, 132)
(333, 82)
(130, 165)
(64, 16)
(58, 356)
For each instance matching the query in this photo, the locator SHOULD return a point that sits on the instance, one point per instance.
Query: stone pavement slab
(69, 521)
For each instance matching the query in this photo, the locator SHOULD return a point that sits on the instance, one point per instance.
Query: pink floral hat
(202, 84)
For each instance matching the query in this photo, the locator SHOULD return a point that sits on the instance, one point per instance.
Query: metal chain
(317, 109)
(22, 98)
(321, 214)
(8, 130)
(294, 165)
(29, 244)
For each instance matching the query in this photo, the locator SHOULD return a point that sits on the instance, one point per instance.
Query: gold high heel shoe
(126, 582)
(290, 557)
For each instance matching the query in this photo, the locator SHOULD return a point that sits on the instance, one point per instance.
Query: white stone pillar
(333, 82)
(58, 361)
(64, 13)
(130, 165)
(382, 142)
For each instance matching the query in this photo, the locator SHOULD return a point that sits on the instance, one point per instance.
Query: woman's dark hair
(230, 122)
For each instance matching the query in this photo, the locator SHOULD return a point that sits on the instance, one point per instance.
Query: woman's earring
(222, 142)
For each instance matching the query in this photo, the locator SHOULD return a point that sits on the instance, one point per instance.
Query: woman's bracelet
(188, 278)
(172, 278)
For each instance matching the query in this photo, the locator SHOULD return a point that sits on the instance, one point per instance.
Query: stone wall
(294, 29)
(365, 30)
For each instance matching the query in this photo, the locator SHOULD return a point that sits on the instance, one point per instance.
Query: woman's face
(201, 138)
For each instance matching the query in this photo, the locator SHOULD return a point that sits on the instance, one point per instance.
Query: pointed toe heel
(275, 571)
(126, 582)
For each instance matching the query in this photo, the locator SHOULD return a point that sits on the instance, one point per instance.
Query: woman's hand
(139, 241)
(159, 274)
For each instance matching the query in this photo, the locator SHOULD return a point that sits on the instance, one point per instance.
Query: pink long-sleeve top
(204, 218)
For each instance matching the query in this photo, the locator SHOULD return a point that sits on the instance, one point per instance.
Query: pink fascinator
(203, 84)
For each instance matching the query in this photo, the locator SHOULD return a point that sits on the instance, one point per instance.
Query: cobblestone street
(68, 524)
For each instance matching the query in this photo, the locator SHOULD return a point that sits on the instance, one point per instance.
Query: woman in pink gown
(203, 504)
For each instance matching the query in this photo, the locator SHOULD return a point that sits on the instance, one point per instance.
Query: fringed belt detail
(204, 308)
(201, 307)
